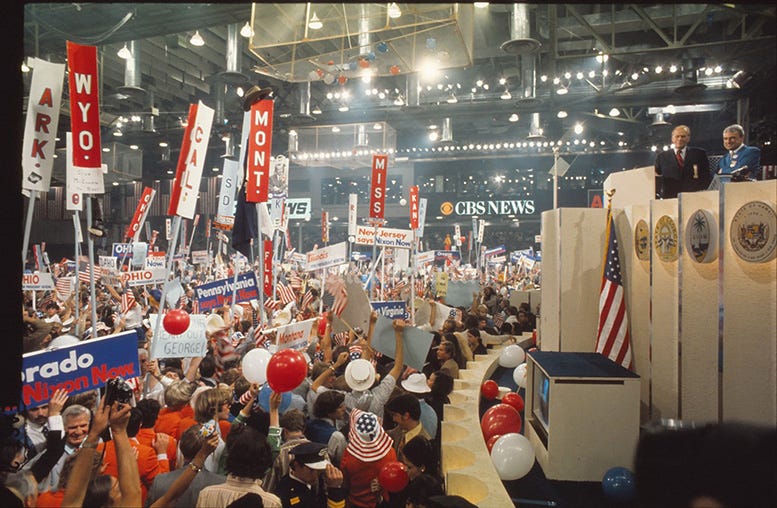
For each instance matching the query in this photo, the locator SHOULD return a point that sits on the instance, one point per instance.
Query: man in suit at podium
(742, 162)
(683, 168)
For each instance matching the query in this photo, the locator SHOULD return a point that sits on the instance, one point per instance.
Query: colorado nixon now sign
(217, 293)
(78, 368)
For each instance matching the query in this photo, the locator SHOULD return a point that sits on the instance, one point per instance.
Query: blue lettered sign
(391, 310)
(217, 293)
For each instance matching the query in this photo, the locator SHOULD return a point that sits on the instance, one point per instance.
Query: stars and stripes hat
(367, 441)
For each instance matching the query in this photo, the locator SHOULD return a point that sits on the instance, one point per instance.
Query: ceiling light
(502, 81)
(561, 114)
(343, 108)
(562, 91)
(567, 75)
(604, 73)
(672, 68)
(506, 95)
(106, 149)
(592, 74)
(634, 76)
(579, 75)
(335, 129)
(394, 11)
(480, 5)
(197, 39)
(578, 128)
(659, 69)
(315, 23)
(377, 126)
(615, 112)
(485, 86)
(247, 31)
(433, 136)
(556, 80)
(133, 147)
(718, 68)
(215, 169)
(543, 78)
(513, 117)
(316, 110)
(381, 95)
(115, 184)
(118, 134)
(708, 71)
(124, 52)
(452, 99)
(398, 101)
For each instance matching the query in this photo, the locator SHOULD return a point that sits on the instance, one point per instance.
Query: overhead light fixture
(506, 95)
(247, 31)
(394, 11)
(163, 144)
(578, 128)
(480, 5)
(377, 126)
(124, 52)
(561, 114)
(118, 134)
(513, 117)
(615, 112)
(316, 110)
(562, 91)
(343, 108)
(315, 23)
(672, 68)
(25, 67)
(197, 39)
(399, 101)
(452, 99)
(433, 136)
(659, 69)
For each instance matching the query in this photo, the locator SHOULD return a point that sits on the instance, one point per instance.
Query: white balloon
(512, 356)
(519, 375)
(255, 365)
(513, 456)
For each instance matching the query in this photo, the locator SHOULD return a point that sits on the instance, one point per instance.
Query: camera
(116, 389)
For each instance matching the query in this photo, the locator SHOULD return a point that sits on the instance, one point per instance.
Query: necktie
(45, 430)
(680, 158)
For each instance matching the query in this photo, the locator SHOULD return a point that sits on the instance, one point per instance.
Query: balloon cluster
(283, 371)
(332, 72)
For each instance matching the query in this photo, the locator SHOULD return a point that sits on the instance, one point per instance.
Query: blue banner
(78, 368)
(391, 310)
(441, 256)
(495, 251)
(217, 293)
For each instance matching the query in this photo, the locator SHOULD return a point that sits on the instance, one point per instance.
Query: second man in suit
(682, 168)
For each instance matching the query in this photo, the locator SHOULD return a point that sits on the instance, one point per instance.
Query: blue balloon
(431, 43)
(382, 47)
(618, 484)
(264, 399)
(353, 65)
(370, 56)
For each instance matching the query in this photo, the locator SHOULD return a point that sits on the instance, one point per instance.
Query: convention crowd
(196, 432)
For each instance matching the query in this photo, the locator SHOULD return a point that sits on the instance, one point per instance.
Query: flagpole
(28, 225)
(382, 271)
(274, 263)
(412, 279)
(234, 289)
(170, 256)
(90, 247)
(260, 241)
(76, 223)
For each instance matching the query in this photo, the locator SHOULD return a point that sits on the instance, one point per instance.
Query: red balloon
(286, 370)
(364, 63)
(176, 321)
(500, 419)
(393, 477)
(394, 70)
(513, 399)
(342, 79)
(491, 441)
(489, 389)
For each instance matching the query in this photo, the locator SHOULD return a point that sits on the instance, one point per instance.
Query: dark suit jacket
(188, 499)
(671, 179)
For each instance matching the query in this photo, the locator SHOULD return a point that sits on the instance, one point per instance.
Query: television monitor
(540, 417)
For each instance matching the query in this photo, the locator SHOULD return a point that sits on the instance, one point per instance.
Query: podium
(582, 414)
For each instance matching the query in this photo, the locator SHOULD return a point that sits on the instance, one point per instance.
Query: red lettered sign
(84, 105)
(325, 227)
(186, 142)
(378, 190)
(267, 268)
(133, 231)
(259, 152)
(414, 207)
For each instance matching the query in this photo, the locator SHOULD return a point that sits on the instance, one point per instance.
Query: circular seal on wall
(642, 240)
(701, 236)
(665, 239)
(753, 232)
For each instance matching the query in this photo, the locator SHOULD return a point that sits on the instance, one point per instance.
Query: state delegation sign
(385, 237)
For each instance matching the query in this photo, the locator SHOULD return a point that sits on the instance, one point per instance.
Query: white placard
(191, 343)
(353, 200)
(40, 128)
(143, 277)
(229, 183)
(328, 256)
(421, 217)
(37, 281)
(385, 237)
(195, 160)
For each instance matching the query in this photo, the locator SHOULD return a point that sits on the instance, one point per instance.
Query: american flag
(64, 287)
(338, 339)
(499, 320)
(339, 298)
(127, 300)
(183, 301)
(400, 284)
(295, 281)
(285, 293)
(271, 304)
(307, 299)
(83, 275)
(612, 338)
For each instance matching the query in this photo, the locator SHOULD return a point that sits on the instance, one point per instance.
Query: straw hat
(360, 375)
